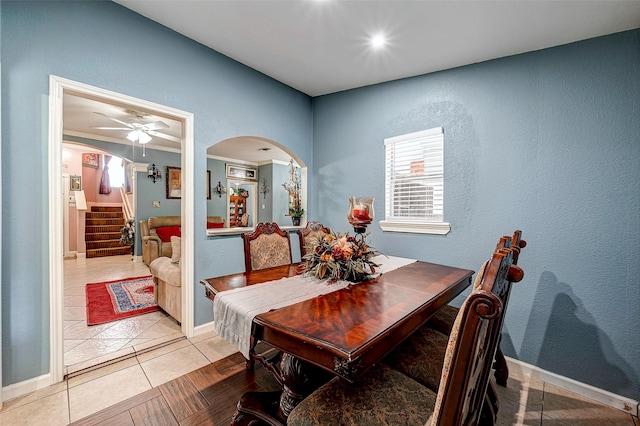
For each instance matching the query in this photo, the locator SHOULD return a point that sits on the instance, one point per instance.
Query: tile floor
(95, 390)
(525, 401)
(84, 345)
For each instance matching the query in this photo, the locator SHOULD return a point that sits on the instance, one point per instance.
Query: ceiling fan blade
(155, 126)
(124, 123)
(112, 128)
(164, 136)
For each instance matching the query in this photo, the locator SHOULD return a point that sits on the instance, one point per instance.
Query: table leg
(299, 379)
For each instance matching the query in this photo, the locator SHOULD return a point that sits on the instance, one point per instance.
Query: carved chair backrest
(472, 346)
(312, 233)
(267, 246)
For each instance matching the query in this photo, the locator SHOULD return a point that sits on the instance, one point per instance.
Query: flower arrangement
(340, 257)
(128, 233)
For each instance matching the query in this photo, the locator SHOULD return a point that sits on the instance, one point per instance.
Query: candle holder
(360, 213)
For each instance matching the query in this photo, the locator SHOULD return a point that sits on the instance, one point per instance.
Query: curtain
(126, 166)
(105, 185)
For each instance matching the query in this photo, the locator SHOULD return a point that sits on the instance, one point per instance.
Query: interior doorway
(94, 253)
(58, 87)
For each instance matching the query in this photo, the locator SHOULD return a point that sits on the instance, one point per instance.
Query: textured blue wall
(105, 45)
(547, 142)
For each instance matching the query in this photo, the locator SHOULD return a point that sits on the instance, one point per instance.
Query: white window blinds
(414, 177)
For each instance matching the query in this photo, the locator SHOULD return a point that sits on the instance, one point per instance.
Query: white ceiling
(80, 120)
(320, 46)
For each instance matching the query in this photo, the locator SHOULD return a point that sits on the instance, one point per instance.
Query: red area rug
(115, 300)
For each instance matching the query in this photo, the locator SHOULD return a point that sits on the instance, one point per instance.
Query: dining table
(334, 329)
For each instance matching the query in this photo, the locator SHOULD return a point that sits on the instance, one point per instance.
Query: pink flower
(337, 253)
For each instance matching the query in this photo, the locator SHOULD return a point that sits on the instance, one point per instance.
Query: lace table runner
(235, 309)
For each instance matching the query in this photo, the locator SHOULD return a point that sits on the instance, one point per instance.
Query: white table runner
(235, 309)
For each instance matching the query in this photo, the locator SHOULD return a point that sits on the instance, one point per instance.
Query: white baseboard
(27, 386)
(204, 328)
(602, 396)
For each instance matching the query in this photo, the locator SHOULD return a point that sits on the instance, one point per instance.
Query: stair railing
(127, 209)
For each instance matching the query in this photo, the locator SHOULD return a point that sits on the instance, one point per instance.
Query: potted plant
(296, 214)
(294, 188)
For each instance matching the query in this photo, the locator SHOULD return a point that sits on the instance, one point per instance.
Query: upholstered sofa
(168, 282)
(156, 233)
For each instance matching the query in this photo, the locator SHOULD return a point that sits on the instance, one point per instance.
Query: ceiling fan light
(143, 137)
(133, 136)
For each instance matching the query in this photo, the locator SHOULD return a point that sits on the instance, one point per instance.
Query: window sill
(439, 228)
(219, 232)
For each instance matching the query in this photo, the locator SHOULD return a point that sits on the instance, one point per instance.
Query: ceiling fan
(139, 130)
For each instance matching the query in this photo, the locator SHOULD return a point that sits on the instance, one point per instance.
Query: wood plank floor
(207, 396)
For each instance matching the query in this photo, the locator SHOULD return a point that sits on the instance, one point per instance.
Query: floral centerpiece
(340, 257)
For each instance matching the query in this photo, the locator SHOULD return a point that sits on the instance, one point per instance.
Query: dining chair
(422, 354)
(386, 396)
(313, 232)
(443, 319)
(267, 246)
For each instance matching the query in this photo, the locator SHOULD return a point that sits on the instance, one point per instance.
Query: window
(414, 183)
(116, 172)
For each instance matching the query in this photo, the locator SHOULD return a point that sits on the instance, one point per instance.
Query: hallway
(85, 346)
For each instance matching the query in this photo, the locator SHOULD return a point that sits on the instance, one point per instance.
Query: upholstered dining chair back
(267, 246)
(312, 233)
(472, 345)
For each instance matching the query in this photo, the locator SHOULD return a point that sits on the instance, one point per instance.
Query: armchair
(156, 244)
(156, 233)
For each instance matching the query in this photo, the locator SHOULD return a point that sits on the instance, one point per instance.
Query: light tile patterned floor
(85, 345)
(100, 388)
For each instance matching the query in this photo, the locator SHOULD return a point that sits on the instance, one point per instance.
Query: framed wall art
(241, 172)
(174, 182)
(90, 159)
(75, 183)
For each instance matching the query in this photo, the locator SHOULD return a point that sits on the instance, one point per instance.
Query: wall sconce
(360, 213)
(153, 173)
(220, 190)
(263, 188)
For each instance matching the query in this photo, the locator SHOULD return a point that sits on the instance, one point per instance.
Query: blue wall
(547, 142)
(100, 44)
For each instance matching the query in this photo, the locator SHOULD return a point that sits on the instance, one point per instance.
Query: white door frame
(57, 87)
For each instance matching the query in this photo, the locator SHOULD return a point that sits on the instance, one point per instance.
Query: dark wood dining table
(343, 332)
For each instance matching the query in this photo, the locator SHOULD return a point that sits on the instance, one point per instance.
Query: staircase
(102, 232)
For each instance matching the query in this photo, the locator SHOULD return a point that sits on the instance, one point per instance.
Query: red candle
(360, 214)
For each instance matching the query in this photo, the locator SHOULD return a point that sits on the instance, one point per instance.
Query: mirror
(258, 165)
(241, 201)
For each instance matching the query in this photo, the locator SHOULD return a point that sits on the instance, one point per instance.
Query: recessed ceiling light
(378, 41)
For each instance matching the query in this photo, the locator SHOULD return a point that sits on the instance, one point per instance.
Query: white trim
(57, 86)
(602, 396)
(56, 257)
(26, 386)
(204, 328)
(438, 228)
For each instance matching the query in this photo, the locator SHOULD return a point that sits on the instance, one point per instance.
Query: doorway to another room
(76, 346)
